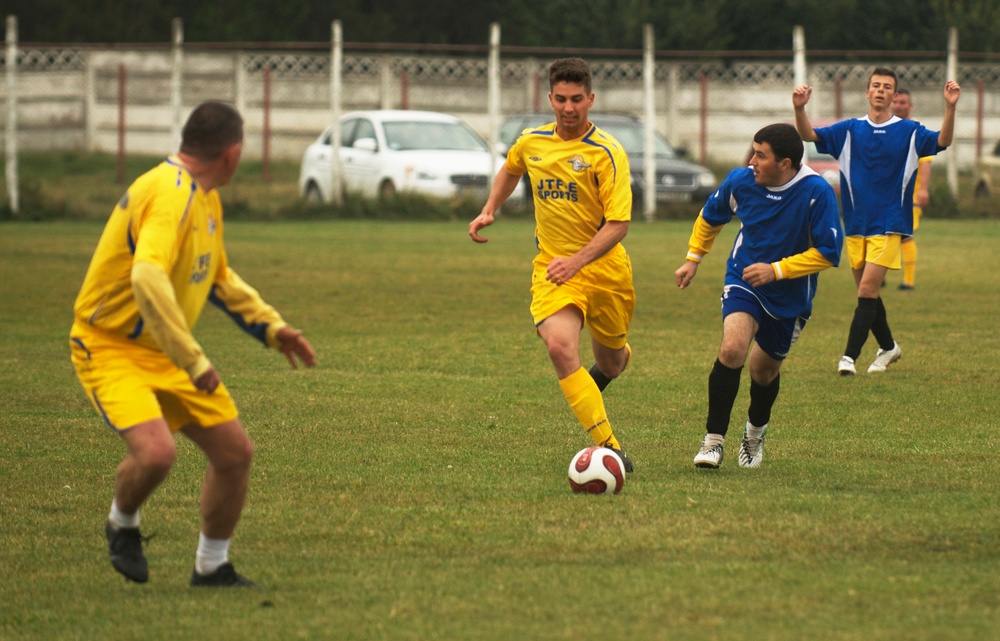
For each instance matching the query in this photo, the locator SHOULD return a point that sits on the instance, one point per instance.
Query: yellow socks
(585, 400)
(909, 252)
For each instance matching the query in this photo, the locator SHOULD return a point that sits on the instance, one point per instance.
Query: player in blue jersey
(790, 231)
(878, 157)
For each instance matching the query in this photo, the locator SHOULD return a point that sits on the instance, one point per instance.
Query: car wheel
(313, 195)
(982, 191)
(387, 190)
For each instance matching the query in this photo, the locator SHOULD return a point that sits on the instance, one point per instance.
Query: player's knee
(237, 457)
(157, 457)
(764, 375)
(612, 367)
(560, 351)
(732, 356)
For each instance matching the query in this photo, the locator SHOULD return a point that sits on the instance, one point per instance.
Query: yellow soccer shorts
(881, 250)
(128, 384)
(602, 291)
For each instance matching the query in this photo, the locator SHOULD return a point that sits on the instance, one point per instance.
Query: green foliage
(413, 485)
(943, 202)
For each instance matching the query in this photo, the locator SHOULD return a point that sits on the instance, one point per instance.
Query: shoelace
(127, 538)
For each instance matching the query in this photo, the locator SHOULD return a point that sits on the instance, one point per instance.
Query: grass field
(413, 485)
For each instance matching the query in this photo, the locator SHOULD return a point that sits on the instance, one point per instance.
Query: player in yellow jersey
(902, 104)
(581, 275)
(160, 259)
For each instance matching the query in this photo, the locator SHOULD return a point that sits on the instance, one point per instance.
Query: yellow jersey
(165, 221)
(577, 185)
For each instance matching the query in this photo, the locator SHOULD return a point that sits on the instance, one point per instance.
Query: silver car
(385, 152)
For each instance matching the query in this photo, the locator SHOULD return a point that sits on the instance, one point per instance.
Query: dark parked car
(676, 178)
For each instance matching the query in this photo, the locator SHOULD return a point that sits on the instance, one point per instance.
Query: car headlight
(706, 179)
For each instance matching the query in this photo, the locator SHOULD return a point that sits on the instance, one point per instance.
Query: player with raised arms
(879, 155)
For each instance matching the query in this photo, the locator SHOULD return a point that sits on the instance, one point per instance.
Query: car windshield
(632, 137)
(409, 135)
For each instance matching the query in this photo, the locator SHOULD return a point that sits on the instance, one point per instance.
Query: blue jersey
(777, 222)
(878, 166)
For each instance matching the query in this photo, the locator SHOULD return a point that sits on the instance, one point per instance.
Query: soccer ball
(596, 470)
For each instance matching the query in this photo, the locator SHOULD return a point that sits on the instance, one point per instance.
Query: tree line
(686, 25)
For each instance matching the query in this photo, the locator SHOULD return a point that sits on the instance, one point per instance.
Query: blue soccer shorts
(775, 336)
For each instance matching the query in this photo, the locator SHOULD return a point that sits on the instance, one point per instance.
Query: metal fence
(133, 99)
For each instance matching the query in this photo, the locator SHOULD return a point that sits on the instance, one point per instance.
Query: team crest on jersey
(578, 163)
(211, 225)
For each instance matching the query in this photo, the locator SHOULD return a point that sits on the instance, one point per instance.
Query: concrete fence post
(11, 138)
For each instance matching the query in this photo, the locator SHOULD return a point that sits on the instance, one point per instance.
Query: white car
(385, 152)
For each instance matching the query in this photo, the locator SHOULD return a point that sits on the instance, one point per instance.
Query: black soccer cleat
(224, 577)
(125, 550)
(625, 459)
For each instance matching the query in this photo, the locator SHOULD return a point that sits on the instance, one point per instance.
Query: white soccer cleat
(846, 366)
(710, 455)
(752, 449)
(885, 358)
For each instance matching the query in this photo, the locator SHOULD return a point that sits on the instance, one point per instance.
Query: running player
(790, 230)
(581, 275)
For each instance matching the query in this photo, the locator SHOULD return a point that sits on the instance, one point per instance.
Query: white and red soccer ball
(596, 470)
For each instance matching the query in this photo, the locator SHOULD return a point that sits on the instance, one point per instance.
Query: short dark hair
(784, 140)
(573, 70)
(905, 92)
(210, 129)
(882, 71)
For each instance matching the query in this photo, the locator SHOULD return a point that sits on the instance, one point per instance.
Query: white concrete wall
(75, 106)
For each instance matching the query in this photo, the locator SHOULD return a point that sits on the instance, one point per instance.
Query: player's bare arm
(800, 97)
(952, 91)
(562, 268)
(923, 196)
(685, 273)
(504, 185)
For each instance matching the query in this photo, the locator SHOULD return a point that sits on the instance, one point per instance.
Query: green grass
(413, 485)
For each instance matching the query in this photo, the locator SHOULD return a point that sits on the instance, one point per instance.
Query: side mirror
(367, 144)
